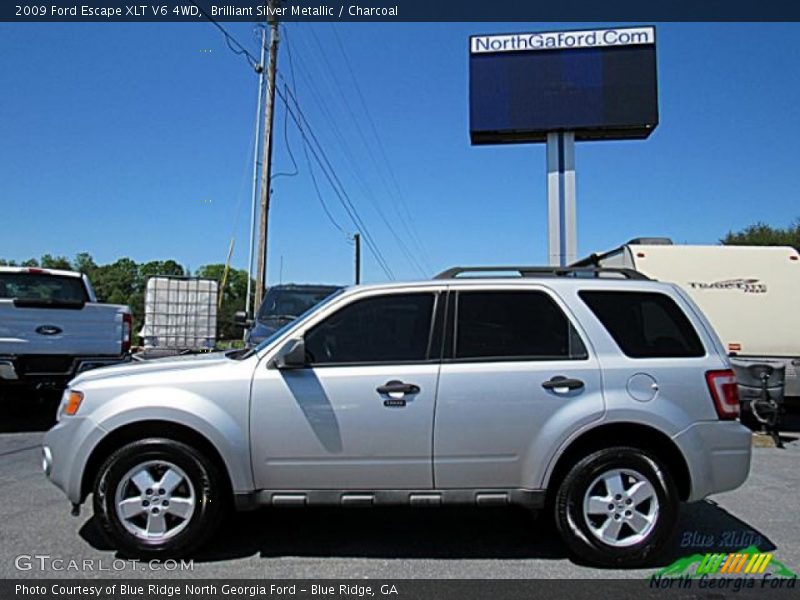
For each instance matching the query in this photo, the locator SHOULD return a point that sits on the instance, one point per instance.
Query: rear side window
(645, 324)
(513, 326)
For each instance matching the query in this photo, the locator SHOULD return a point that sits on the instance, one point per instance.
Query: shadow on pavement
(443, 533)
(27, 411)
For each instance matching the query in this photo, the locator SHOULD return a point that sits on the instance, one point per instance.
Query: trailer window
(645, 324)
(38, 287)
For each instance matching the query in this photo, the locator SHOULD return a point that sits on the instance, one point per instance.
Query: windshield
(40, 287)
(281, 330)
(288, 303)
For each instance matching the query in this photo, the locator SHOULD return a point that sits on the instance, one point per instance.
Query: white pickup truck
(52, 328)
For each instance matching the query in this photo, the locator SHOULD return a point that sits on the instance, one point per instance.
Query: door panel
(499, 414)
(494, 420)
(328, 428)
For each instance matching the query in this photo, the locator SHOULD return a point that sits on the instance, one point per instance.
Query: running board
(367, 498)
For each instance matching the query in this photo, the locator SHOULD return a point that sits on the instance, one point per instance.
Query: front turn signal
(73, 403)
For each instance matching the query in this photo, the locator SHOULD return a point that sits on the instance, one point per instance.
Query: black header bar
(400, 10)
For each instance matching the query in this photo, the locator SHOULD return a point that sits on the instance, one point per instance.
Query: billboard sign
(597, 83)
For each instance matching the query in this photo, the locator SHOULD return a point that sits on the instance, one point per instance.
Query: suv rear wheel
(157, 497)
(616, 507)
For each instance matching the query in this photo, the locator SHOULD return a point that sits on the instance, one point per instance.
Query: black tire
(206, 484)
(577, 528)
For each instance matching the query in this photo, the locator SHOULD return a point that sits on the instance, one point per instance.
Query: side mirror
(240, 318)
(291, 356)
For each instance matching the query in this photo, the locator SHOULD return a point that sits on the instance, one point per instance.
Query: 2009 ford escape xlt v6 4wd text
(607, 400)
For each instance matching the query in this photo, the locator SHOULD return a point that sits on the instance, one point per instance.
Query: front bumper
(65, 451)
(717, 454)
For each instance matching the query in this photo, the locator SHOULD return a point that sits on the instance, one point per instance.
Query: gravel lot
(377, 543)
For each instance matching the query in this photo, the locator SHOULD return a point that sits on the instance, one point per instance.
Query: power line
(368, 194)
(295, 169)
(229, 40)
(319, 155)
(322, 202)
(341, 193)
(406, 220)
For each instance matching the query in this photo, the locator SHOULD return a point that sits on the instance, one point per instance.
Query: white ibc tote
(180, 313)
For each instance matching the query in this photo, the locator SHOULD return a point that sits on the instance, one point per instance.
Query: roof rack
(526, 271)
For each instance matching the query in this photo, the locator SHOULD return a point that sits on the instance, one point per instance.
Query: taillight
(725, 393)
(127, 326)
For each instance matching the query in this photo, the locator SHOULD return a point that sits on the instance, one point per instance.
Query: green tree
(56, 262)
(85, 264)
(233, 298)
(762, 234)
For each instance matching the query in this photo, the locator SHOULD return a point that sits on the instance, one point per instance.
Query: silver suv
(598, 394)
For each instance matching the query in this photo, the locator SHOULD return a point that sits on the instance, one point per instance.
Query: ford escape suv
(597, 394)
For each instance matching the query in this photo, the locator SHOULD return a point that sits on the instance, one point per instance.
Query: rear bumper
(50, 371)
(717, 454)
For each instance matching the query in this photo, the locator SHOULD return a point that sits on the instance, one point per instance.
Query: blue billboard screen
(522, 91)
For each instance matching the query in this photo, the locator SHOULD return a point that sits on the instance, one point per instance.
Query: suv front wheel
(157, 498)
(616, 507)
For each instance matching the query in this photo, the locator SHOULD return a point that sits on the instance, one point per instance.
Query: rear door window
(645, 324)
(513, 325)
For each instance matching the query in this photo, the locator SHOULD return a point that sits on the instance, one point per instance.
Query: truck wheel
(616, 507)
(157, 497)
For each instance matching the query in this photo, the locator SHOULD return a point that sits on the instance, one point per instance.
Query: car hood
(156, 365)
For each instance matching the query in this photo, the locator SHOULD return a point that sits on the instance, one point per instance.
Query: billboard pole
(561, 215)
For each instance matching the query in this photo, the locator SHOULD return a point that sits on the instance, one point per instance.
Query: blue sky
(135, 140)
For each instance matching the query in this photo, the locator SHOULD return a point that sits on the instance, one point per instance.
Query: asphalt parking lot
(376, 543)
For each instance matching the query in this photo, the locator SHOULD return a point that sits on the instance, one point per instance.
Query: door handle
(561, 384)
(397, 387)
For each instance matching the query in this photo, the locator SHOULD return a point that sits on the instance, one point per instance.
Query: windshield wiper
(239, 353)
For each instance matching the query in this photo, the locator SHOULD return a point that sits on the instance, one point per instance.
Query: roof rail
(534, 271)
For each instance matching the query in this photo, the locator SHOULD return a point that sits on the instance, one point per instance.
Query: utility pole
(357, 240)
(254, 192)
(266, 168)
